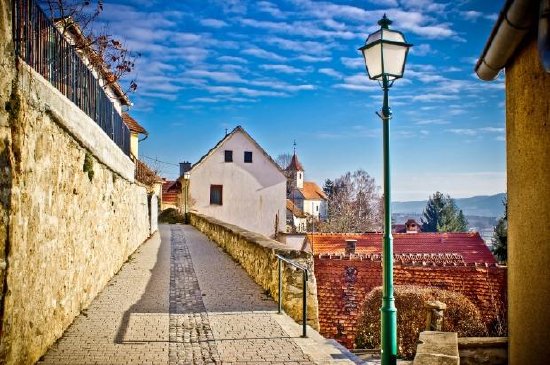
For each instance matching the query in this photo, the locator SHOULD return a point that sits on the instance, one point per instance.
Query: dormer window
(247, 156)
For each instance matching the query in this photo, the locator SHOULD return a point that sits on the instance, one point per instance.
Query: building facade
(239, 183)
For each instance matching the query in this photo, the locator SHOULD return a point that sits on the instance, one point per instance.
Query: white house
(307, 196)
(239, 183)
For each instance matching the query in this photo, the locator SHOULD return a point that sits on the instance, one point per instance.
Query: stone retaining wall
(70, 214)
(256, 254)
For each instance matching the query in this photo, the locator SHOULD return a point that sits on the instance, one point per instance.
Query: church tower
(295, 173)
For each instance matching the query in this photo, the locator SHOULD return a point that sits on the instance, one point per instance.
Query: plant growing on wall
(89, 165)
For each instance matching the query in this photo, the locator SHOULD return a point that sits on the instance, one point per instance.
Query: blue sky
(290, 70)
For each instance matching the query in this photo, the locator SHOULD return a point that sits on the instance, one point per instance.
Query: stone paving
(181, 300)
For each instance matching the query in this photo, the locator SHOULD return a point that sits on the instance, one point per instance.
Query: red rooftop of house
(468, 244)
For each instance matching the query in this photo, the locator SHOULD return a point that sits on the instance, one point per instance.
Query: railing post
(304, 304)
(280, 284)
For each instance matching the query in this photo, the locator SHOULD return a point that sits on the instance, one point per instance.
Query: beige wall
(63, 235)
(528, 160)
(253, 193)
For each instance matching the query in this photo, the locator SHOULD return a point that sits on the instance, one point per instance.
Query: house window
(247, 156)
(317, 208)
(216, 194)
(228, 156)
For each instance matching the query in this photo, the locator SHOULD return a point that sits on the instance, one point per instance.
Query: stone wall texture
(528, 174)
(343, 283)
(257, 255)
(63, 232)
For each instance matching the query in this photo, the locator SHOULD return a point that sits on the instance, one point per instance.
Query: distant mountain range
(482, 206)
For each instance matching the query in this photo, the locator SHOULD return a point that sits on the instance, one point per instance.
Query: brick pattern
(343, 283)
(468, 244)
(191, 339)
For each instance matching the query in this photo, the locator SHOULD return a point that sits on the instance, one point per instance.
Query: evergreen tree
(500, 236)
(328, 187)
(442, 215)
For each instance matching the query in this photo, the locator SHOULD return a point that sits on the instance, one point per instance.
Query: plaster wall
(254, 194)
(528, 171)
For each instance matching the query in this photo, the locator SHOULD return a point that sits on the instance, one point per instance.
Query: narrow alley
(181, 300)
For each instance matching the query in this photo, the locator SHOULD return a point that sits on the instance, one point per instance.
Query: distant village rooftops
(297, 212)
(469, 245)
(312, 191)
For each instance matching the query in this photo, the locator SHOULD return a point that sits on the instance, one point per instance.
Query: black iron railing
(41, 45)
(305, 276)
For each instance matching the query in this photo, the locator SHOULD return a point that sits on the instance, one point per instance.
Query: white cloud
(270, 8)
(283, 68)
(218, 76)
(307, 58)
(232, 59)
(355, 62)
(330, 72)
(471, 15)
(213, 23)
(421, 49)
(262, 53)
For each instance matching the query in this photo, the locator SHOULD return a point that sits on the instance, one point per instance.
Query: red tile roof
(297, 212)
(294, 165)
(469, 245)
(132, 124)
(312, 191)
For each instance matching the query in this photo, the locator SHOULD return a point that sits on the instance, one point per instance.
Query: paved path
(181, 300)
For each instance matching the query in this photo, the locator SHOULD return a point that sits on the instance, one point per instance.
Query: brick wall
(344, 281)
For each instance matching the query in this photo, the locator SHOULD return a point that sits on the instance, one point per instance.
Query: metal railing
(40, 44)
(305, 276)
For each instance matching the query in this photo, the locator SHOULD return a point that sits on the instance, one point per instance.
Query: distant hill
(482, 206)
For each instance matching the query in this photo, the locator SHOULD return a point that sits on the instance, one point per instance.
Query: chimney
(184, 167)
(350, 247)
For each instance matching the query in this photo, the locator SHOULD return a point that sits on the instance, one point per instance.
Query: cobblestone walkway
(181, 300)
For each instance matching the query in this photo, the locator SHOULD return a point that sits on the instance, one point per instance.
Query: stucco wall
(253, 193)
(64, 233)
(256, 254)
(528, 170)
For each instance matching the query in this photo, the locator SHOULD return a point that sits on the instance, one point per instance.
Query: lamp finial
(384, 22)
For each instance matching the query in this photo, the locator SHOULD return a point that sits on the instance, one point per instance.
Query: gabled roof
(312, 191)
(132, 124)
(469, 244)
(171, 187)
(294, 164)
(297, 212)
(238, 129)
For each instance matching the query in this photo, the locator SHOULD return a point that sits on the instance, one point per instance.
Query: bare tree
(104, 52)
(283, 160)
(355, 204)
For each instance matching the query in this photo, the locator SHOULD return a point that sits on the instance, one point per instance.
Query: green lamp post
(385, 53)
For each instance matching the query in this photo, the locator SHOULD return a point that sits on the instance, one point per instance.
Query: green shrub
(461, 316)
(171, 216)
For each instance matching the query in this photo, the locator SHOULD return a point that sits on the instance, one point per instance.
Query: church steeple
(296, 171)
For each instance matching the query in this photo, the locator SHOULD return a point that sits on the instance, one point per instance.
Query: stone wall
(70, 215)
(344, 281)
(256, 254)
(483, 350)
(528, 185)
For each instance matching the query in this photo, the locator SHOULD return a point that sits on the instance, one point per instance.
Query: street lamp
(385, 53)
(186, 177)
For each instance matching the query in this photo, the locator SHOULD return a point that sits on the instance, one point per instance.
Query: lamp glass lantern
(385, 52)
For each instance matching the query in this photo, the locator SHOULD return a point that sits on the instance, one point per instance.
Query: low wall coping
(73, 120)
(256, 238)
(482, 342)
(437, 348)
